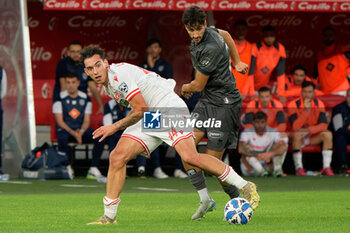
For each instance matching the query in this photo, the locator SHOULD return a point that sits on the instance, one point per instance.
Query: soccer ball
(238, 211)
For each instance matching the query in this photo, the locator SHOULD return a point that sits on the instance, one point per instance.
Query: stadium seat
(95, 122)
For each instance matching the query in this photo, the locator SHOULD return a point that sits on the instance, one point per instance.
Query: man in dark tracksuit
(341, 126)
(219, 98)
(72, 113)
(3, 84)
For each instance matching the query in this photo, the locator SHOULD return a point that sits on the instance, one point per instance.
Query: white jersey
(126, 81)
(261, 143)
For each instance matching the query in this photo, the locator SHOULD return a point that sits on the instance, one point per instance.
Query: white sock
(204, 194)
(297, 160)
(231, 177)
(278, 162)
(141, 168)
(111, 206)
(327, 158)
(255, 164)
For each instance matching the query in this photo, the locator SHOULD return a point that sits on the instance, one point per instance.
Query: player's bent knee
(118, 158)
(190, 158)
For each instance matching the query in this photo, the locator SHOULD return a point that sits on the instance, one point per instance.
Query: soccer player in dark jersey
(211, 50)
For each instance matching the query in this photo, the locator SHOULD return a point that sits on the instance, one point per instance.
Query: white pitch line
(15, 182)
(156, 189)
(79, 186)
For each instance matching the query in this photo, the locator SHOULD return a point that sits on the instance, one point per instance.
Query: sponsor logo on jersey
(215, 135)
(123, 87)
(74, 113)
(205, 61)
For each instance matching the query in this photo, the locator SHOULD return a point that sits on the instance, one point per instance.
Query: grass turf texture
(291, 204)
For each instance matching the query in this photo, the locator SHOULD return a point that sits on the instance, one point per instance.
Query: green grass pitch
(290, 204)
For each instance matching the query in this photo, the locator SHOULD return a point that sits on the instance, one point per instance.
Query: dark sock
(231, 190)
(197, 179)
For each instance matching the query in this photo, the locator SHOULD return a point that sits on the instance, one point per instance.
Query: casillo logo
(149, 4)
(340, 19)
(62, 4)
(123, 52)
(314, 6)
(170, 20)
(82, 21)
(97, 4)
(33, 23)
(38, 53)
(300, 52)
(271, 6)
(286, 20)
(235, 5)
(185, 4)
(345, 6)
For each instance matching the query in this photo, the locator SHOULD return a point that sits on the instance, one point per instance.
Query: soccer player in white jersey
(263, 148)
(144, 90)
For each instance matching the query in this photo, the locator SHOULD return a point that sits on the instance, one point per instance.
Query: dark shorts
(224, 136)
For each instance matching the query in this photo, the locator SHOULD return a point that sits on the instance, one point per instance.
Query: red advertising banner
(123, 34)
(218, 5)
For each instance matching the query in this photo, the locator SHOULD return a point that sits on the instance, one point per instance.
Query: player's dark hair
(240, 22)
(299, 67)
(269, 28)
(71, 75)
(90, 51)
(308, 84)
(153, 41)
(193, 16)
(328, 28)
(75, 42)
(260, 116)
(264, 89)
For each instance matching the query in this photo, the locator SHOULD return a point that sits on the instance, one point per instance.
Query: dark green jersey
(211, 57)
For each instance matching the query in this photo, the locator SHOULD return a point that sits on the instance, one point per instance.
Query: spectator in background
(308, 121)
(72, 113)
(154, 62)
(267, 56)
(263, 149)
(71, 63)
(332, 66)
(244, 49)
(3, 88)
(292, 87)
(113, 112)
(272, 107)
(341, 127)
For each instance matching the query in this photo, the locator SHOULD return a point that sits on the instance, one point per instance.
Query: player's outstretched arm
(197, 85)
(138, 105)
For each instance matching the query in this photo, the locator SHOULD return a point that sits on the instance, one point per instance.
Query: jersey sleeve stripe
(132, 94)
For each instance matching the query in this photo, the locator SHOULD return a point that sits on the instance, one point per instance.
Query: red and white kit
(126, 81)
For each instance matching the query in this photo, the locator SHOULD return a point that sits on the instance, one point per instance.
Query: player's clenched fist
(184, 92)
(241, 67)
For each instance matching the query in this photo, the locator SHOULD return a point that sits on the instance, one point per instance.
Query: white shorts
(247, 172)
(151, 139)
